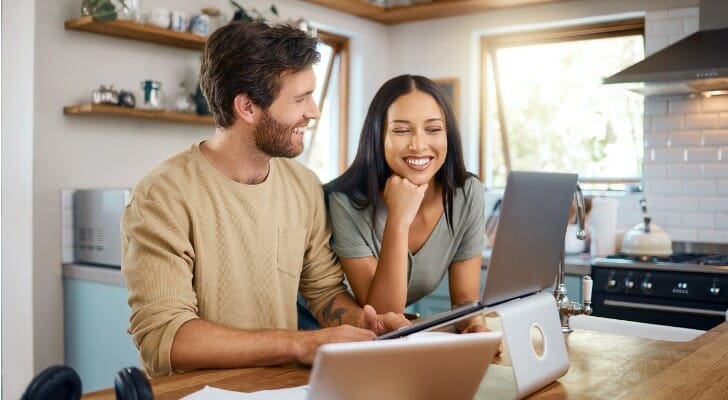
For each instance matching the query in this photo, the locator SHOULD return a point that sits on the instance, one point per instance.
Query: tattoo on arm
(329, 315)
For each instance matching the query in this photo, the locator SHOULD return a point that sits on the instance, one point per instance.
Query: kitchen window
(545, 108)
(325, 141)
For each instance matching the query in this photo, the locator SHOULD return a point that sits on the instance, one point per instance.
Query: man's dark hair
(365, 179)
(250, 58)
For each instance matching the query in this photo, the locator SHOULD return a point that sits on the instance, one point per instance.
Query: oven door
(686, 314)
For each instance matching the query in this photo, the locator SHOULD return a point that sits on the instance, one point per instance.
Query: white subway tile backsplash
(713, 236)
(627, 221)
(667, 123)
(714, 204)
(67, 218)
(656, 107)
(723, 120)
(668, 155)
(669, 26)
(683, 171)
(67, 236)
(722, 188)
(683, 12)
(699, 188)
(684, 106)
(67, 255)
(698, 220)
(666, 219)
(67, 198)
(715, 171)
(715, 104)
(654, 202)
(691, 25)
(682, 203)
(656, 139)
(721, 221)
(655, 44)
(715, 137)
(684, 138)
(662, 186)
(654, 171)
(655, 15)
(702, 155)
(683, 235)
(701, 121)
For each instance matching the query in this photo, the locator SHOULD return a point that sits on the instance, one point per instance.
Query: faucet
(566, 307)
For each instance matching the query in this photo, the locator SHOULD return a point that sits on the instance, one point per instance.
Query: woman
(406, 211)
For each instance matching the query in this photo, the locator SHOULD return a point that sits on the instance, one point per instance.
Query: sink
(636, 329)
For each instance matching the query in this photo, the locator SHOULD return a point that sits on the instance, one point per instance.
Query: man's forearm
(341, 309)
(201, 344)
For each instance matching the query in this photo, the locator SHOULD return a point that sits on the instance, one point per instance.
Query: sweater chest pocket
(290, 250)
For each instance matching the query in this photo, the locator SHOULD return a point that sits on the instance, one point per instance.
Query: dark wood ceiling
(421, 11)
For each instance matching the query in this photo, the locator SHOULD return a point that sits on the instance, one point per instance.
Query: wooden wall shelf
(111, 110)
(137, 31)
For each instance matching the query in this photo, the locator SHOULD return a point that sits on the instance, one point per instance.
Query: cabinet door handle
(657, 307)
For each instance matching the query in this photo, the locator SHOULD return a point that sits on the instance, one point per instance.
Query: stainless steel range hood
(696, 64)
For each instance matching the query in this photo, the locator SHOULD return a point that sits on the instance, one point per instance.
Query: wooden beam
(422, 11)
(355, 7)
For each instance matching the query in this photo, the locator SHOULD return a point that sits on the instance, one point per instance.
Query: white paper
(212, 393)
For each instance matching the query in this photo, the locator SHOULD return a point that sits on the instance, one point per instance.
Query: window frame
(340, 46)
(491, 44)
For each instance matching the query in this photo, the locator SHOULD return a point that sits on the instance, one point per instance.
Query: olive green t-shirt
(354, 236)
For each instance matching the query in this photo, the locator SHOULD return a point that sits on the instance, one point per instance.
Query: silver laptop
(528, 244)
(427, 366)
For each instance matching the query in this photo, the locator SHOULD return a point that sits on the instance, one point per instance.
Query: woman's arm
(382, 283)
(465, 288)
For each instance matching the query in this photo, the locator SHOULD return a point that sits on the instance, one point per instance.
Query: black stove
(687, 289)
(677, 258)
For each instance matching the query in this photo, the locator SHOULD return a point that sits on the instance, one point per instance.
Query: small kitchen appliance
(96, 225)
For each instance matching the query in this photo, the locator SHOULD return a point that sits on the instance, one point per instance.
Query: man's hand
(312, 340)
(381, 324)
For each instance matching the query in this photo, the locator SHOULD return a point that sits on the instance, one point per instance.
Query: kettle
(647, 239)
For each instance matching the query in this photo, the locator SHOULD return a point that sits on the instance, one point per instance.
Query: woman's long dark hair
(365, 178)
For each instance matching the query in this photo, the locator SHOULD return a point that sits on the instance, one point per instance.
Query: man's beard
(275, 138)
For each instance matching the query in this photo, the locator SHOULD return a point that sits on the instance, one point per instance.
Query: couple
(217, 241)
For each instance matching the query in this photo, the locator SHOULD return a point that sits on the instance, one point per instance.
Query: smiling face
(415, 137)
(279, 132)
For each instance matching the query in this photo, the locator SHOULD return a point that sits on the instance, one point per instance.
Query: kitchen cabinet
(96, 316)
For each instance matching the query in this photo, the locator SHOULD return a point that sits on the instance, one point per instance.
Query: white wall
(18, 24)
(91, 152)
(450, 47)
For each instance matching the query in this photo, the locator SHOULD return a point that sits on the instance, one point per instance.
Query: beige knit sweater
(196, 244)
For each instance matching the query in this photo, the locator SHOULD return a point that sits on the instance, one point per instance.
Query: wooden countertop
(603, 366)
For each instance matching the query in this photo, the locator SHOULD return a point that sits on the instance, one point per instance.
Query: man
(219, 239)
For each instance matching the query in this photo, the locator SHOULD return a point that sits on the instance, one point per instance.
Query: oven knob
(646, 285)
(715, 290)
(629, 284)
(611, 283)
